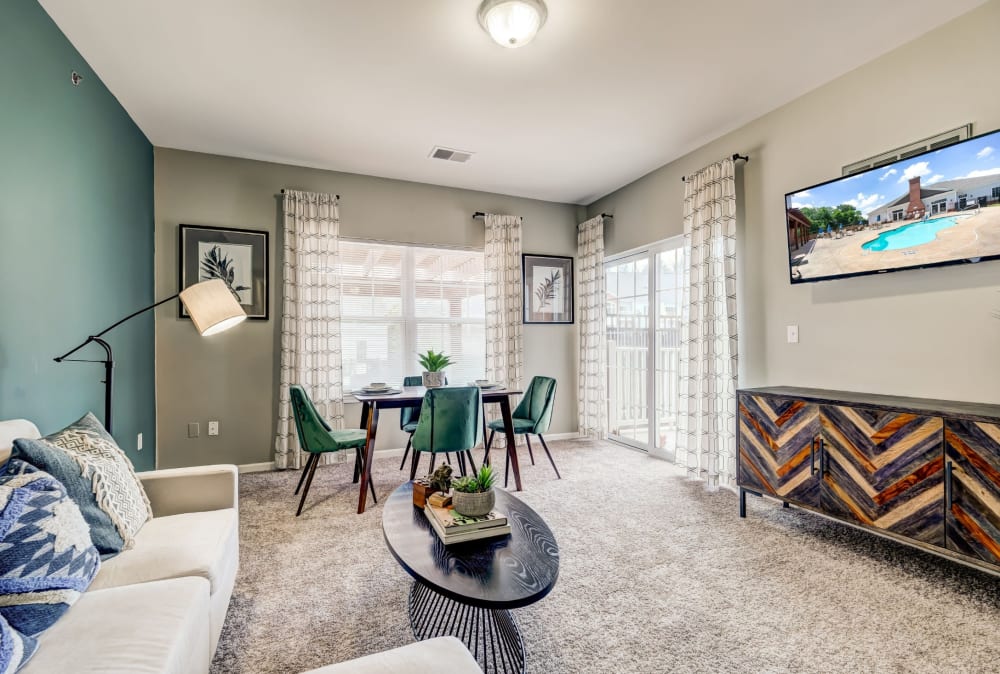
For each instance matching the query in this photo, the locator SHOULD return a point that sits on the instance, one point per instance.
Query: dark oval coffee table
(467, 590)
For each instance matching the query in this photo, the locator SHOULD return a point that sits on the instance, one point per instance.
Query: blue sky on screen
(867, 191)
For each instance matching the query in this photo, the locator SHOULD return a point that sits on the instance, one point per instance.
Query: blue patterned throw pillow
(98, 477)
(47, 559)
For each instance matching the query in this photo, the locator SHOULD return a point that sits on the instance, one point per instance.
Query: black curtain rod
(736, 156)
(283, 191)
(480, 214)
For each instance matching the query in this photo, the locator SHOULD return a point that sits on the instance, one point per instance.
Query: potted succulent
(473, 496)
(434, 365)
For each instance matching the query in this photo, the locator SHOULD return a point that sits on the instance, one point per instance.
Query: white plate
(371, 389)
(487, 386)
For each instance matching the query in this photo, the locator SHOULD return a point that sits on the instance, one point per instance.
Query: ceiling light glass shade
(512, 23)
(212, 307)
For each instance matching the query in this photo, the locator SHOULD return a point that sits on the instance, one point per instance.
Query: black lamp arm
(109, 359)
(94, 338)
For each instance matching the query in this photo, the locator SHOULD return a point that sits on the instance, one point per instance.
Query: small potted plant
(434, 365)
(473, 496)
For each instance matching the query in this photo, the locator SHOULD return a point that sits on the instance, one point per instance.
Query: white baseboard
(380, 453)
(563, 436)
(256, 467)
(398, 451)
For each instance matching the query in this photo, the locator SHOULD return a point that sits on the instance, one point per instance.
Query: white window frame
(650, 251)
(408, 320)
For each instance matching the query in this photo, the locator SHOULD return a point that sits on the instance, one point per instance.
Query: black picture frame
(544, 302)
(240, 248)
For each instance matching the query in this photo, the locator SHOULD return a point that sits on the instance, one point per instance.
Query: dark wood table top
(499, 573)
(412, 394)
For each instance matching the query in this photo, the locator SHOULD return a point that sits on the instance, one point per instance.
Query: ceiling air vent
(933, 143)
(448, 154)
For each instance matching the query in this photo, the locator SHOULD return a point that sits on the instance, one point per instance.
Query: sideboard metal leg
(784, 504)
(743, 502)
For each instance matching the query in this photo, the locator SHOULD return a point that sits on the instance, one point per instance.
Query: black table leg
(508, 427)
(366, 409)
(491, 635)
(366, 467)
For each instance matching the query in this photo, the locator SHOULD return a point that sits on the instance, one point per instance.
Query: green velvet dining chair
(317, 438)
(408, 417)
(532, 415)
(450, 421)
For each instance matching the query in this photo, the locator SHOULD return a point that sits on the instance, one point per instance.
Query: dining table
(411, 396)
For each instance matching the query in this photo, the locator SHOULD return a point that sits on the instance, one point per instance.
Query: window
(644, 318)
(996, 193)
(397, 301)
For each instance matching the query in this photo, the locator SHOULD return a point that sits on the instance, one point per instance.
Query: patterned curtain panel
(504, 318)
(706, 425)
(591, 305)
(310, 318)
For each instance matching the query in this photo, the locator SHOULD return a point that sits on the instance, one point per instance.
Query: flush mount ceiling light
(512, 23)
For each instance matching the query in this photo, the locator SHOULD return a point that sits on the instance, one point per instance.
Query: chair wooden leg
(461, 463)
(357, 466)
(305, 492)
(413, 465)
(305, 469)
(530, 453)
(549, 454)
(434, 456)
(472, 463)
(406, 451)
(489, 443)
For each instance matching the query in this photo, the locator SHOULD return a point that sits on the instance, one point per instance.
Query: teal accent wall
(76, 236)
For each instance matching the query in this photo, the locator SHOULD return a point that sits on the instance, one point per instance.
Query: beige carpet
(657, 575)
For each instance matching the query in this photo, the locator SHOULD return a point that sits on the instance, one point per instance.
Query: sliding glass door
(643, 329)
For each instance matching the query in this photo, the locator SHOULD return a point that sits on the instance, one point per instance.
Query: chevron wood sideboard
(923, 472)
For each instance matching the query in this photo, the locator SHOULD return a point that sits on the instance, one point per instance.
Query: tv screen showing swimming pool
(937, 208)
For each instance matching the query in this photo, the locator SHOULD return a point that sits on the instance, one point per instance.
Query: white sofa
(160, 606)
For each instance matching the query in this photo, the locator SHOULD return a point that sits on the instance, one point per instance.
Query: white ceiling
(608, 91)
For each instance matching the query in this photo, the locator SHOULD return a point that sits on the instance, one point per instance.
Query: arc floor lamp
(212, 308)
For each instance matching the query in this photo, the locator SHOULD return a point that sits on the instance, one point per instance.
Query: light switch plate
(213, 427)
(194, 430)
(793, 334)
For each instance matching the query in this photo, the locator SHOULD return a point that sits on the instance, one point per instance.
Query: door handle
(822, 459)
(947, 487)
(812, 457)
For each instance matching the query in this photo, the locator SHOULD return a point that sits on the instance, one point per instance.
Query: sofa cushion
(97, 475)
(443, 654)
(46, 557)
(191, 544)
(157, 627)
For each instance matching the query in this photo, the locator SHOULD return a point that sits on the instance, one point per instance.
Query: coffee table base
(491, 635)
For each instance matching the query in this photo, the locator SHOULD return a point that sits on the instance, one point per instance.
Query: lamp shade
(212, 307)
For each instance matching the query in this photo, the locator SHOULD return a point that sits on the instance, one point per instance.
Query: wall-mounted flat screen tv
(940, 207)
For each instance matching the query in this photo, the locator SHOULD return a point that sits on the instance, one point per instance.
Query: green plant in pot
(473, 496)
(434, 365)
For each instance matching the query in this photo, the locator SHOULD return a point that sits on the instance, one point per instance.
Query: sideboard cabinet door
(777, 448)
(885, 470)
(973, 507)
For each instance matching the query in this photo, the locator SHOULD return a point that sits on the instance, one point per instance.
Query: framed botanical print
(548, 288)
(237, 256)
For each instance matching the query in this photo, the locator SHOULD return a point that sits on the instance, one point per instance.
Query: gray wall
(76, 236)
(924, 333)
(232, 377)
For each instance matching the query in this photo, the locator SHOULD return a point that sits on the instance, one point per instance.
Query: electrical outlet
(194, 430)
(138, 442)
(213, 427)
(793, 334)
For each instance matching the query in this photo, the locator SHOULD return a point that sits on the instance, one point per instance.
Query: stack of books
(454, 528)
